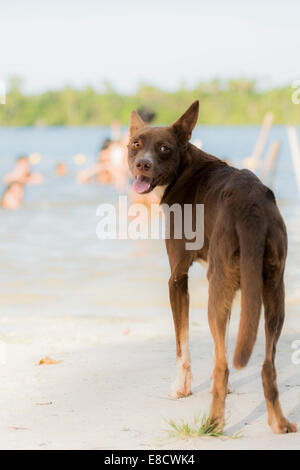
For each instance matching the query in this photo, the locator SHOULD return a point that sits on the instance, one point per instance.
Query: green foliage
(232, 102)
(201, 426)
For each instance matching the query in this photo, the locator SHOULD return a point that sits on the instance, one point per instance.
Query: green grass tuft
(201, 426)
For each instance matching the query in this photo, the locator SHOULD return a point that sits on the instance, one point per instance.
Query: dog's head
(154, 153)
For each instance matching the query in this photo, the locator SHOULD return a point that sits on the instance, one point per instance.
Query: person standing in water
(12, 196)
(21, 173)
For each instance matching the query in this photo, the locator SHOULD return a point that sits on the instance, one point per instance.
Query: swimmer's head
(23, 163)
(146, 114)
(22, 159)
(105, 144)
(61, 169)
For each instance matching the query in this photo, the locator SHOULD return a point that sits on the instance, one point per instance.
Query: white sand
(111, 389)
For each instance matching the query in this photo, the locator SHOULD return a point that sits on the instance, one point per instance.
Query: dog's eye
(135, 145)
(163, 148)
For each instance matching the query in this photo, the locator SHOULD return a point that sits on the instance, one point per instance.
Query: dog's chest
(159, 191)
(203, 262)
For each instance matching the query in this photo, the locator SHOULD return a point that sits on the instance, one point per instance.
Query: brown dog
(245, 245)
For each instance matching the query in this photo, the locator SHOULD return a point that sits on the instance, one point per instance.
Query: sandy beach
(110, 390)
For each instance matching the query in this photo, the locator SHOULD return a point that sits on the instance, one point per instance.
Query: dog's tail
(252, 246)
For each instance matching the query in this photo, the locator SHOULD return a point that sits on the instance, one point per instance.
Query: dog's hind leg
(179, 298)
(221, 294)
(273, 297)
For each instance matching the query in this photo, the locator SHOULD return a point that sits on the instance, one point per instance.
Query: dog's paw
(176, 392)
(284, 427)
(217, 422)
(181, 388)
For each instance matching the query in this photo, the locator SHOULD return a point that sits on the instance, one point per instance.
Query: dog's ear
(184, 126)
(136, 123)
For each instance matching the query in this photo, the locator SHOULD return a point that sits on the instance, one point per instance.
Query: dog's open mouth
(143, 184)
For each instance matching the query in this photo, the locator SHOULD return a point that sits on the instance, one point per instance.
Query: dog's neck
(185, 160)
(160, 190)
(191, 159)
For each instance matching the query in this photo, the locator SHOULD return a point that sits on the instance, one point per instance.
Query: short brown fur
(245, 245)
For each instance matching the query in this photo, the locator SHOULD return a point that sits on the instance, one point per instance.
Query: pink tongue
(141, 184)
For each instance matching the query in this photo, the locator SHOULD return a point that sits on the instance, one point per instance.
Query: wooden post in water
(295, 150)
(270, 163)
(252, 162)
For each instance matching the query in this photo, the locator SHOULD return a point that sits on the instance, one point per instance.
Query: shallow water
(51, 261)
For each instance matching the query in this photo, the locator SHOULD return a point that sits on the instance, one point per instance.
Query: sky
(51, 44)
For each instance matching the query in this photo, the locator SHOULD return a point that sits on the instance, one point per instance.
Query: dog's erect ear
(184, 126)
(136, 123)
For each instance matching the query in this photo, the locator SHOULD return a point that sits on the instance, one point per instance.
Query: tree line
(229, 102)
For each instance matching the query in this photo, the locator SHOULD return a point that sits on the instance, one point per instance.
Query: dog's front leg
(179, 298)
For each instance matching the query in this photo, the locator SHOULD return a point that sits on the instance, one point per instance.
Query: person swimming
(21, 173)
(61, 169)
(13, 196)
(101, 170)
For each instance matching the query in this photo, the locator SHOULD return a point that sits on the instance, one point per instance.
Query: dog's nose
(143, 164)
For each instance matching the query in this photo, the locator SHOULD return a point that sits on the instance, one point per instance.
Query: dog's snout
(143, 164)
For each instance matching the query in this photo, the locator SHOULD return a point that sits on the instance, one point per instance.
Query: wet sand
(111, 389)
